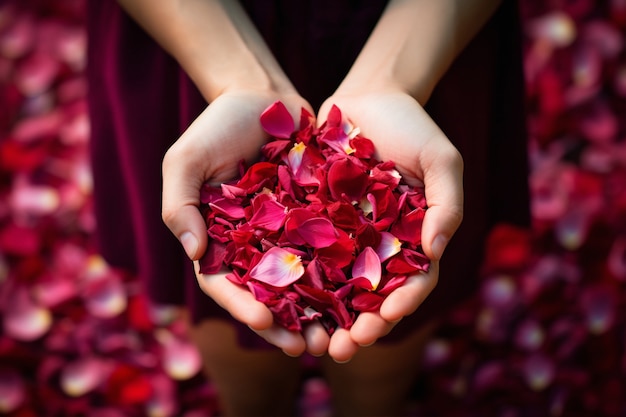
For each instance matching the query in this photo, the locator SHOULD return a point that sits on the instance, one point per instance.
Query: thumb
(180, 202)
(443, 181)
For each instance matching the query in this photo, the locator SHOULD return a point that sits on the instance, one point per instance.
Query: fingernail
(438, 246)
(190, 244)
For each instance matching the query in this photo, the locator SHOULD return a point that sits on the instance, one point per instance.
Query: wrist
(392, 76)
(250, 79)
(242, 72)
(377, 85)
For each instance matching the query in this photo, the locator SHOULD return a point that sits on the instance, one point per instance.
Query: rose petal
(334, 116)
(539, 371)
(24, 320)
(128, 385)
(407, 262)
(347, 178)
(181, 359)
(278, 267)
(389, 246)
(337, 140)
(343, 215)
(83, 376)
(285, 314)
(294, 157)
(307, 173)
(340, 253)
(409, 227)
(318, 232)
(294, 220)
(363, 147)
(231, 209)
(367, 265)
(269, 216)
(12, 391)
(212, 260)
(391, 284)
(276, 120)
(367, 301)
(164, 399)
(274, 151)
(256, 176)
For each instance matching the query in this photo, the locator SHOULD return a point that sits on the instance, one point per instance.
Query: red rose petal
(367, 301)
(409, 227)
(270, 216)
(347, 178)
(212, 260)
(277, 121)
(318, 232)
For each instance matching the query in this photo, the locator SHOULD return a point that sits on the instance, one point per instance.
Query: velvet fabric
(140, 101)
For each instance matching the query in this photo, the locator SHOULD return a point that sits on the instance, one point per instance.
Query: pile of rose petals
(545, 335)
(318, 229)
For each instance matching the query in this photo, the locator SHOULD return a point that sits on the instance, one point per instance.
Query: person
(177, 87)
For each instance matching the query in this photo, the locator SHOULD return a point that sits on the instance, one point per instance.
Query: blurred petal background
(545, 335)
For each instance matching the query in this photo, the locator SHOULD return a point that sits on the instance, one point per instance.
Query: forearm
(414, 43)
(213, 40)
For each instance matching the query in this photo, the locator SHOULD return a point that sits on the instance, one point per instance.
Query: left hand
(403, 132)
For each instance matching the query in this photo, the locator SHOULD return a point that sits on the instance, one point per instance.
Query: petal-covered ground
(546, 334)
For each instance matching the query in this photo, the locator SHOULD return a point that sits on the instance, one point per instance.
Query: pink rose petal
(181, 359)
(83, 376)
(12, 391)
(229, 208)
(367, 265)
(389, 246)
(24, 320)
(278, 267)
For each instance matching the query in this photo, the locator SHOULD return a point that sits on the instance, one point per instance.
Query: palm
(225, 133)
(400, 129)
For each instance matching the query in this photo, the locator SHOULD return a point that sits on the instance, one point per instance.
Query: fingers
(407, 298)
(237, 300)
(242, 305)
(292, 343)
(317, 339)
(341, 347)
(369, 327)
(443, 179)
(343, 344)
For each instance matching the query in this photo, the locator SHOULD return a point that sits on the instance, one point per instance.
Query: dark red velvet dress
(140, 101)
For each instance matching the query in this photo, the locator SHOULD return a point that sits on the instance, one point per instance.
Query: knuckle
(456, 214)
(453, 157)
(168, 215)
(173, 154)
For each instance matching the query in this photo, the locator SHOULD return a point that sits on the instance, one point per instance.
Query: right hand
(403, 132)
